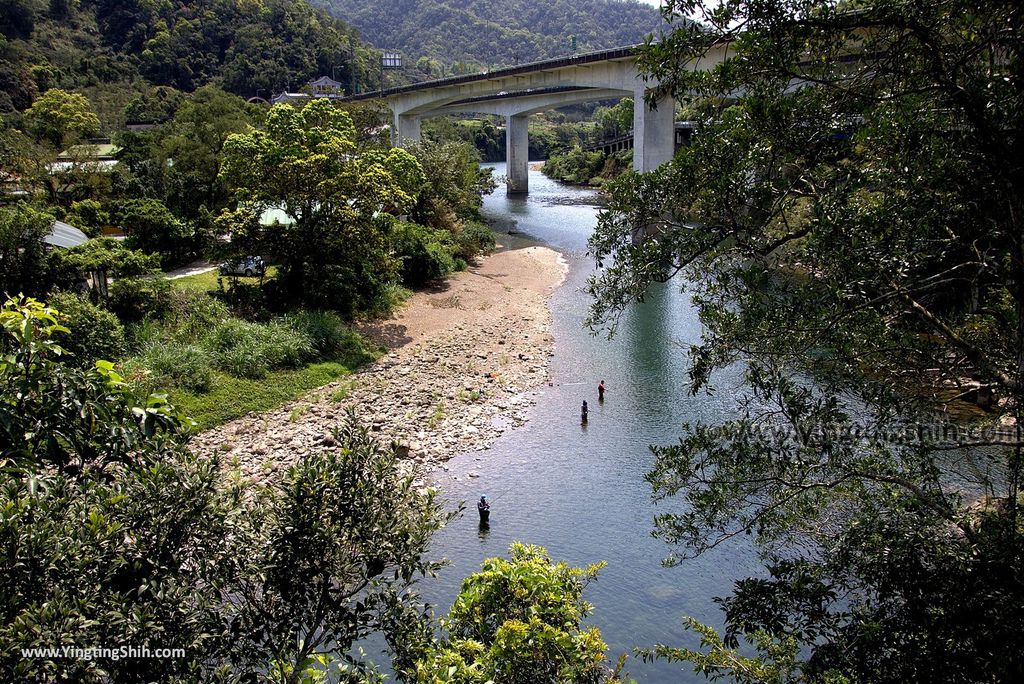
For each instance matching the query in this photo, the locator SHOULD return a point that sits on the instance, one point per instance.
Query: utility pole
(351, 65)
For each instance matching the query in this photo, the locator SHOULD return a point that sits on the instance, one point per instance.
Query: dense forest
(487, 32)
(248, 48)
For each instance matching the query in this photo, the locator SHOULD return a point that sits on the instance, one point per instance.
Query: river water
(579, 491)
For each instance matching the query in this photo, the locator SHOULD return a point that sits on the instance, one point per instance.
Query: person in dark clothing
(600, 391)
(583, 412)
(484, 509)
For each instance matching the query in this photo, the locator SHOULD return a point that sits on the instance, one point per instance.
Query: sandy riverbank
(462, 362)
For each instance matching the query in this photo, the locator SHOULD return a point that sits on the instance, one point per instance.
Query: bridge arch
(516, 92)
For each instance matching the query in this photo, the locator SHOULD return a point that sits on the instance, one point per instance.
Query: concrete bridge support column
(517, 150)
(406, 129)
(654, 133)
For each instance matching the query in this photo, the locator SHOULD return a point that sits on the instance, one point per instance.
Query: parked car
(246, 266)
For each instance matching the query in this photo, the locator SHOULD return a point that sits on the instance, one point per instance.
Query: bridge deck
(531, 67)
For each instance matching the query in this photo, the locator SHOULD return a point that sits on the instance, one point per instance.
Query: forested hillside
(493, 32)
(247, 47)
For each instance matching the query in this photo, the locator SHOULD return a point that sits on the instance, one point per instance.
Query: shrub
(474, 238)
(426, 254)
(193, 314)
(230, 334)
(324, 330)
(179, 365)
(249, 350)
(132, 299)
(286, 347)
(244, 360)
(330, 338)
(95, 332)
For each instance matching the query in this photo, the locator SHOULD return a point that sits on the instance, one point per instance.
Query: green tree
(151, 228)
(455, 184)
(23, 253)
(89, 216)
(519, 620)
(61, 118)
(334, 252)
(115, 534)
(18, 17)
(190, 149)
(615, 121)
(137, 289)
(848, 220)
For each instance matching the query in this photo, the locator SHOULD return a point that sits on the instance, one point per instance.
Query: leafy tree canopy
(519, 620)
(485, 32)
(116, 534)
(61, 118)
(304, 162)
(848, 220)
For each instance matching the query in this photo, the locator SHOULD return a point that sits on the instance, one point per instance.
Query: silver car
(249, 267)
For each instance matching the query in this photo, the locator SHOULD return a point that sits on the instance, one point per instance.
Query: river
(579, 491)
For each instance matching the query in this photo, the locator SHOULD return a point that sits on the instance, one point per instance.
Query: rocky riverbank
(463, 360)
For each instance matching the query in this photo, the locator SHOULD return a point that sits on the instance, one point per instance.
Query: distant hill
(249, 47)
(496, 32)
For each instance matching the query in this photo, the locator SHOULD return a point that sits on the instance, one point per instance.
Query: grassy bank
(233, 397)
(215, 366)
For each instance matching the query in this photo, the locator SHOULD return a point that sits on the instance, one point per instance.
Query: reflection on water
(579, 489)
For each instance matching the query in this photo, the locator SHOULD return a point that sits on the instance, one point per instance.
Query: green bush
(184, 366)
(473, 239)
(286, 347)
(426, 255)
(95, 332)
(193, 314)
(574, 166)
(246, 359)
(132, 299)
(325, 331)
(231, 333)
(249, 350)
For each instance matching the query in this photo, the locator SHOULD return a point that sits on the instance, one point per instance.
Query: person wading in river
(583, 412)
(484, 509)
(600, 391)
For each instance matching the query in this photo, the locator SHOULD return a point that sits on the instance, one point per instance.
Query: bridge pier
(517, 153)
(654, 132)
(405, 130)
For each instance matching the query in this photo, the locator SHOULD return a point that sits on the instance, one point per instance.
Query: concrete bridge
(517, 92)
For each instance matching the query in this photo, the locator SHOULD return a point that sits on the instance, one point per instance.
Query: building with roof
(89, 157)
(321, 87)
(65, 235)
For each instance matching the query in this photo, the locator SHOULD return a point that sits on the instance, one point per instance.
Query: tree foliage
(334, 250)
(24, 263)
(250, 47)
(151, 228)
(485, 32)
(61, 118)
(116, 535)
(519, 620)
(848, 220)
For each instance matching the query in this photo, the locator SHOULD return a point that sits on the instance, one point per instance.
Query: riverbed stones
(454, 390)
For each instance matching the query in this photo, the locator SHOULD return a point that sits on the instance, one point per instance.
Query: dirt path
(463, 359)
(195, 268)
